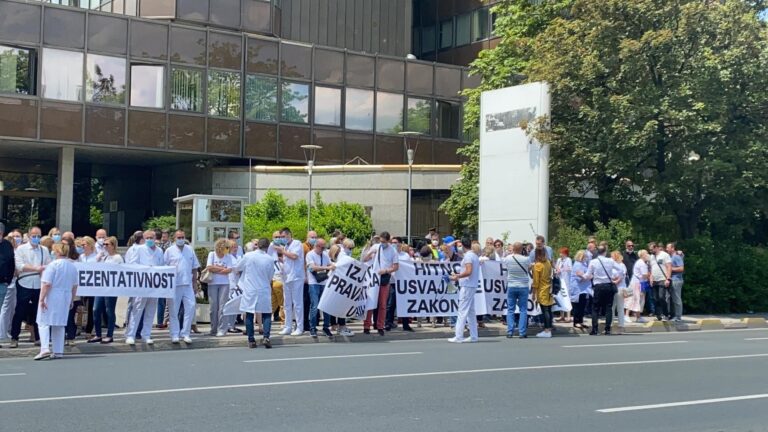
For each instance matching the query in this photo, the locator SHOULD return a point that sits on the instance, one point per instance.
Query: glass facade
(294, 102)
(327, 106)
(389, 113)
(419, 115)
(62, 77)
(105, 79)
(187, 90)
(147, 86)
(261, 98)
(359, 110)
(223, 94)
(17, 70)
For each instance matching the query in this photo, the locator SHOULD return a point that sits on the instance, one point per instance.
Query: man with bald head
(101, 237)
(30, 259)
(318, 265)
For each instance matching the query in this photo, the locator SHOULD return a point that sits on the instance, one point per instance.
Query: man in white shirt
(389, 322)
(181, 256)
(600, 270)
(469, 280)
(257, 269)
(144, 308)
(385, 262)
(101, 237)
(661, 280)
(30, 259)
(293, 286)
(319, 265)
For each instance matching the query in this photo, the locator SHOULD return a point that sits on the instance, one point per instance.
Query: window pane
(446, 34)
(62, 75)
(360, 70)
(149, 40)
(296, 61)
(480, 24)
(223, 94)
(224, 50)
(462, 29)
(359, 110)
(192, 9)
(147, 86)
(187, 46)
(420, 78)
(107, 34)
(419, 115)
(17, 70)
(262, 56)
(391, 74)
(329, 66)
(64, 28)
(256, 16)
(19, 22)
(389, 112)
(105, 79)
(261, 98)
(447, 119)
(225, 12)
(328, 106)
(295, 102)
(187, 90)
(428, 39)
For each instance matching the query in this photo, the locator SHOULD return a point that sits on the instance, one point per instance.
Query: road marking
(624, 344)
(332, 357)
(686, 403)
(374, 377)
(13, 374)
(754, 339)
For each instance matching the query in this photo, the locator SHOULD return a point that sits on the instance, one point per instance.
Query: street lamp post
(310, 151)
(411, 154)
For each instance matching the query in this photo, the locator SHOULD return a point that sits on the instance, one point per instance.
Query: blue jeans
(517, 296)
(315, 292)
(161, 311)
(266, 322)
(104, 304)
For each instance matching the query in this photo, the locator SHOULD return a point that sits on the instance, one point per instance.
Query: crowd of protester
(282, 280)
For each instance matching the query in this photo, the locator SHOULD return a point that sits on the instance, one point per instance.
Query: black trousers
(662, 294)
(603, 302)
(579, 308)
(26, 310)
(546, 315)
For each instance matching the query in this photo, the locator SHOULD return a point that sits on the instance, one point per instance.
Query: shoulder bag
(613, 285)
(385, 278)
(320, 275)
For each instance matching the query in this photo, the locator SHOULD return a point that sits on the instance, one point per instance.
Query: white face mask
(460, 248)
(100, 241)
(180, 242)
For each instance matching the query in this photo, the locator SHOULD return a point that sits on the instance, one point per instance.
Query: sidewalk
(493, 329)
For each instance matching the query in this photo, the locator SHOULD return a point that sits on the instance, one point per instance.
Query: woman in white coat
(59, 282)
(257, 269)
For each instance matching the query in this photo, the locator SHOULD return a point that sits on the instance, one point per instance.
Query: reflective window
(358, 114)
(420, 78)
(391, 74)
(62, 75)
(447, 119)
(147, 86)
(256, 16)
(428, 39)
(389, 112)
(17, 70)
(19, 22)
(329, 66)
(296, 61)
(463, 29)
(447, 81)
(107, 34)
(149, 40)
(224, 50)
(261, 98)
(360, 70)
(223, 94)
(480, 29)
(155, 8)
(262, 56)
(105, 79)
(295, 102)
(327, 106)
(419, 115)
(225, 12)
(446, 34)
(187, 90)
(64, 28)
(187, 45)
(192, 9)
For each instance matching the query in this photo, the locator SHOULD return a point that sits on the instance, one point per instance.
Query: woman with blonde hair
(640, 278)
(579, 289)
(221, 263)
(619, 278)
(542, 289)
(59, 282)
(106, 305)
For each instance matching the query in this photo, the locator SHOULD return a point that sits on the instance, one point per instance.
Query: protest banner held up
(125, 280)
(346, 291)
(425, 289)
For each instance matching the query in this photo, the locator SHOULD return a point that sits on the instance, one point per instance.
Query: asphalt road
(702, 381)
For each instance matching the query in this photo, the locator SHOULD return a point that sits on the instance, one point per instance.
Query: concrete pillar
(64, 192)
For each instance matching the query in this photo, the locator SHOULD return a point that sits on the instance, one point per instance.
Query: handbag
(320, 275)
(556, 285)
(206, 276)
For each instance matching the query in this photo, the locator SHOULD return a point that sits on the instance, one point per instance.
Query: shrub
(160, 223)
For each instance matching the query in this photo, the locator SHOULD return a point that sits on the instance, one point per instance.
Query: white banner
(232, 306)
(125, 280)
(425, 289)
(494, 299)
(346, 292)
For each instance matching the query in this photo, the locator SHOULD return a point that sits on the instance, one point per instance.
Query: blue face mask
(312, 241)
(150, 243)
(35, 240)
(384, 245)
(17, 240)
(80, 250)
(56, 238)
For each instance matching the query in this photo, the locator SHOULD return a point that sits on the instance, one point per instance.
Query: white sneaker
(297, 333)
(220, 334)
(174, 340)
(346, 332)
(187, 340)
(455, 340)
(473, 340)
(286, 331)
(150, 341)
(130, 341)
(544, 335)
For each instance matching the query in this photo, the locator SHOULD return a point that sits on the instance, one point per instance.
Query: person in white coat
(148, 254)
(257, 269)
(181, 256)
(293, 287)
(59, 282)
(469, 280)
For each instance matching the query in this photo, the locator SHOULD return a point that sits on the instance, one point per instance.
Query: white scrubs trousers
(51, 332)
(186, 295)
(293, 294)
(466, 314)
(141, 304)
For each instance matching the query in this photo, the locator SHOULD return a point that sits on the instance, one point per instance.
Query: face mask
(17, 240)
(80, 250)
(460, 248)
(34, 240)
(56, 238)
(312, 241)
(384, 245)
(150, 243)
(180, 242)
(100, 241)
(435, 242)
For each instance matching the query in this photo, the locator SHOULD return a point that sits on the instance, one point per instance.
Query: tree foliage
(161, 223)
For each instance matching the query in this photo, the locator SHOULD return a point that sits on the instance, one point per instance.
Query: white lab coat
(257, 269)
(62, 275)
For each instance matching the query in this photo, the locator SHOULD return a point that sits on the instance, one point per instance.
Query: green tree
(660, 101)
(517, 23)
(160, 223)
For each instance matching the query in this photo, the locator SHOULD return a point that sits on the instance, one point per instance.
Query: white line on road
(624, 344)
(686, 403)
(12, 374)
(332, 357)
(754, 339)
(374, 377)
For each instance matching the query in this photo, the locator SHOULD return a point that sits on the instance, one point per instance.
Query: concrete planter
(203, 313)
